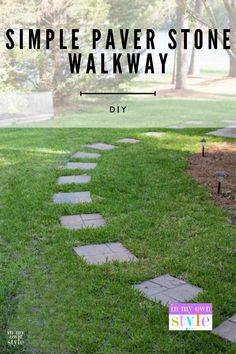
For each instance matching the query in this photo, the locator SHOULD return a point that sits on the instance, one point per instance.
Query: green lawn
(168, 221)
(146, 113)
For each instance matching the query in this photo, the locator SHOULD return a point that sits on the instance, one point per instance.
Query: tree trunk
(230, 7)
(181, 69)
(232, 19)
(194, 68)
(174, 70)
(232, 69)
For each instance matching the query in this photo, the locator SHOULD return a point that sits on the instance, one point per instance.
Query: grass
(146, 113)
(168, 221)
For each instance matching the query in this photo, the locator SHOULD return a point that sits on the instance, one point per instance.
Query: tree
(229, 7)
(231, 11)
(65, 14)
(49, 69)
(194, 68)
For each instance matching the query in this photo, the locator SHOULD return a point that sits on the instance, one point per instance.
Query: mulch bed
(219, 157)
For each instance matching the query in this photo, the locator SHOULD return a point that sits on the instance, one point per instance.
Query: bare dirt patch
(219, 157)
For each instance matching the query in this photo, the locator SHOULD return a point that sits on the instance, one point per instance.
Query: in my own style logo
(15, 338)
(190, 317)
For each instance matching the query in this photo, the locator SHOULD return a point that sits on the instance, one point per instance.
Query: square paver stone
(72, 198)
(101, 146)
(233, 318)
(74, 179)
(128, 141)
(80, 165)
(226, 132)
(168, 281)
(227, 329)
(228, 121)
(168, 289)
(86, 155)
(77, 222)
(153, 134)
(176, 126)
(194, 122)
(102, 253)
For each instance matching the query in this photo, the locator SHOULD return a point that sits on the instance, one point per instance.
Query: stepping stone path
(165, 289)
(72, 198)
(80, 165)
(128, 141)
(77, 222)
(168, 289)
(74, 179)
(227, 329)
(101, 146)
(153, 134)
(102, 253)
(86, 155)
